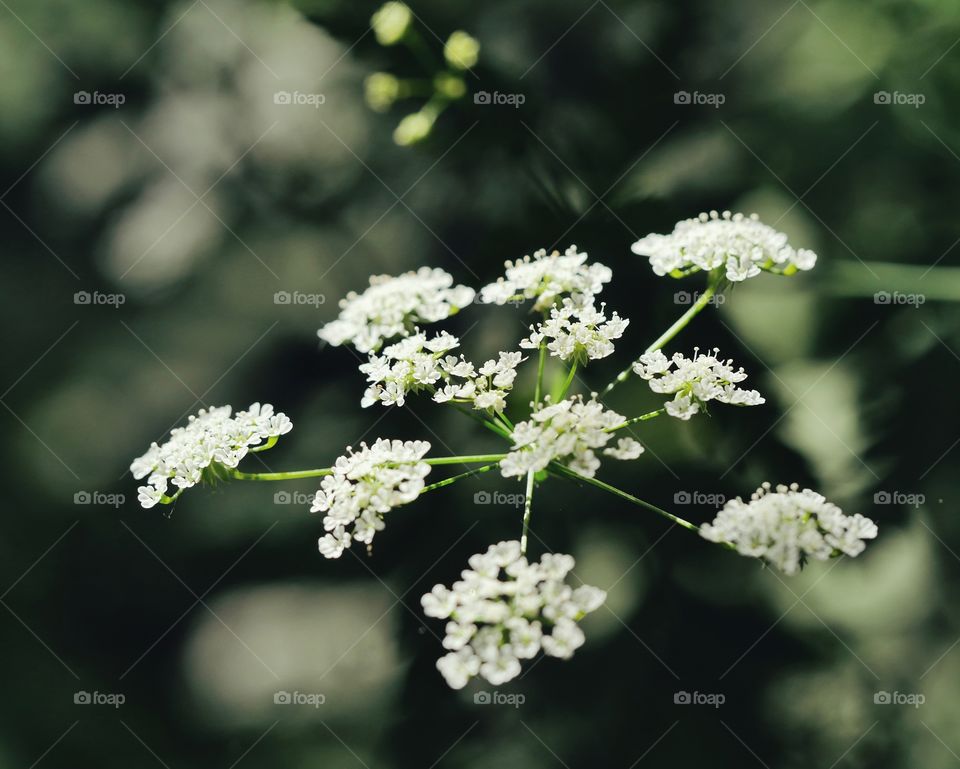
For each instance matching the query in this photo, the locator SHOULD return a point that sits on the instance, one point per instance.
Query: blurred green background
(199, 198)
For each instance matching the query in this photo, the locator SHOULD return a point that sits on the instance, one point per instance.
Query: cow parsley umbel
(787, 527)
(507, 607)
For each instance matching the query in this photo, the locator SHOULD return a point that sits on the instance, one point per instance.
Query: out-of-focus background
(157, 195)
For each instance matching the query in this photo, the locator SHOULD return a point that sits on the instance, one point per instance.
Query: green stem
(540, 365)
(678, 325)
(499, 430)
(641, 418)
(566, 472)
(569, 380)
(527, 510)
(455, 478)
(295, 474)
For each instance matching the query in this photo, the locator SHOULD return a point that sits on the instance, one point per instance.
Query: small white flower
(363, 486)
(577, 330)
(211, 441)
(569, 431)
(788, 526)
(547, 278)
(393, 306)
(742, 246)
(506, 609)
(695, 381)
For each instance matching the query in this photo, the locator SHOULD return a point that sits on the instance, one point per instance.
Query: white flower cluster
(577, 330)
(546, 278)
(419, 362)
(695, 381)
(392, 306)
(788, 526)
(504, 610)
(567, 431)
(212, 437)
(743, 245)
(363, 486)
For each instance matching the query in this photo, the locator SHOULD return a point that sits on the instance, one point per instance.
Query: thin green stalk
(295, 474)
(540, 366)
(498, 429)
(569, 380)
(527, 510)
(565, 472)
(464, 460)
(641, 418)
(455, 478)
(678, 326)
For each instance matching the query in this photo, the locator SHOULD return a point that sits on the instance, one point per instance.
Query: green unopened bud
(381, 90)
(412, 129)
(391, 22)
(461, 50)
(449, 86)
